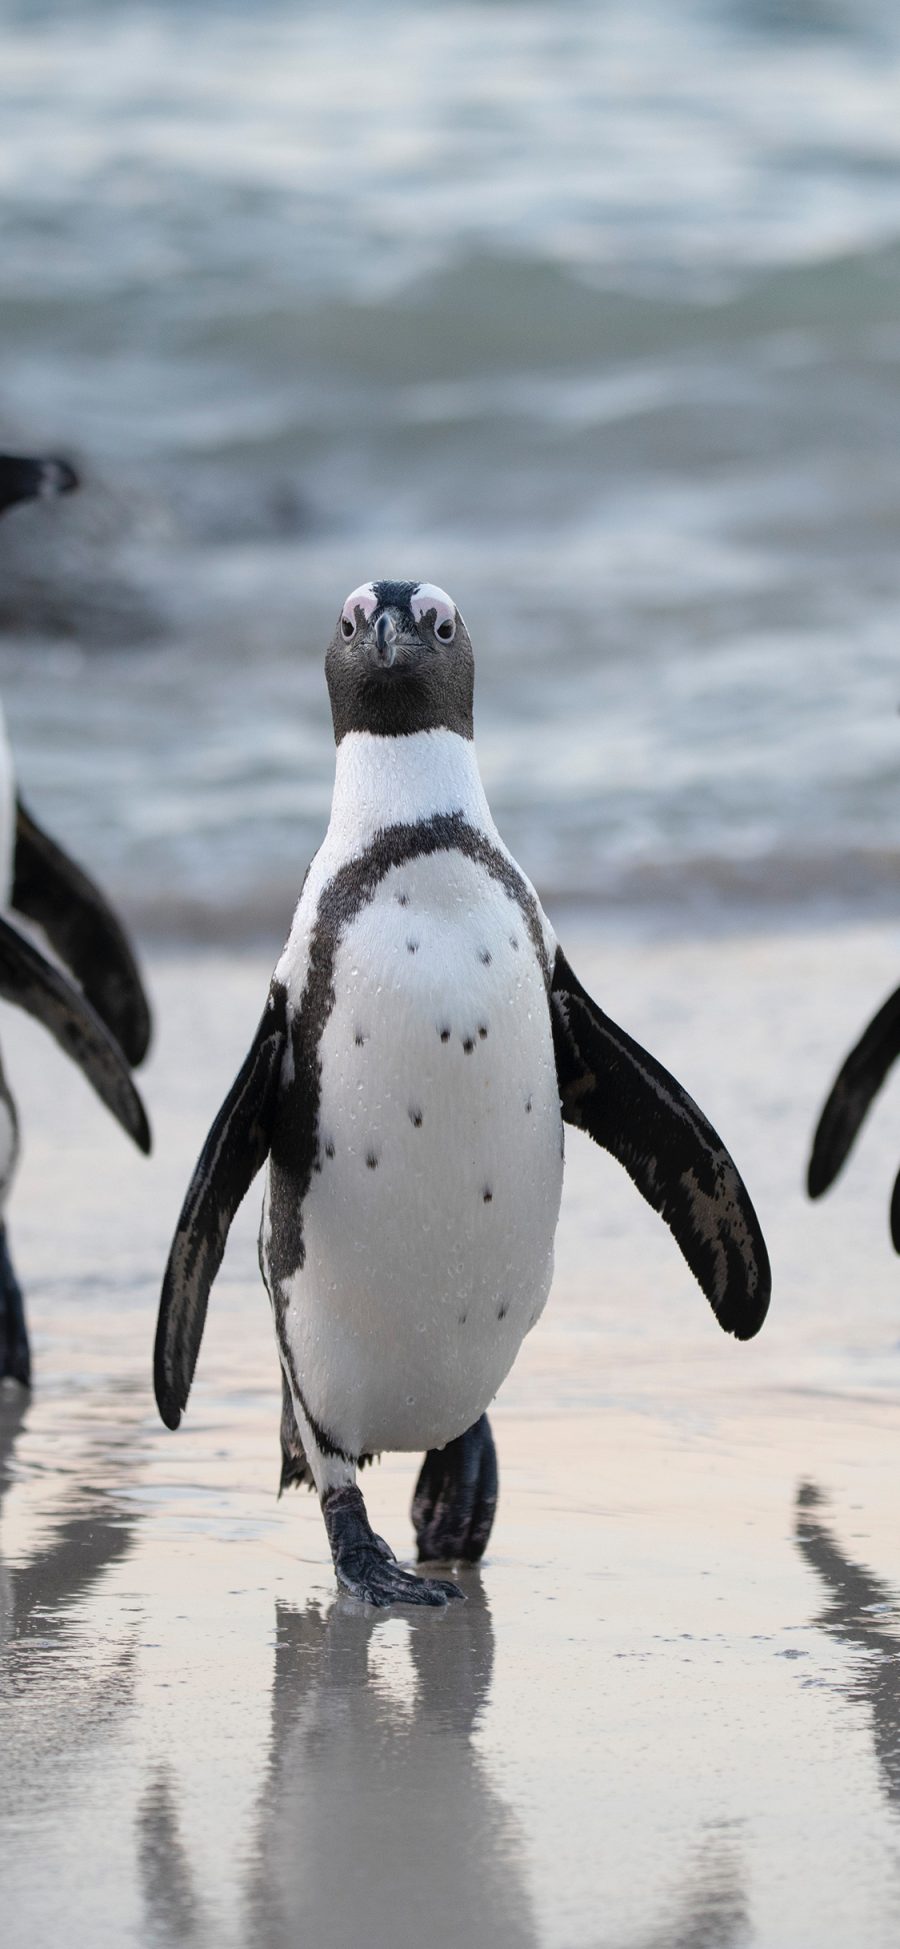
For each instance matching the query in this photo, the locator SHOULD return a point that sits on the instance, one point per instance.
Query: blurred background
(586, 311)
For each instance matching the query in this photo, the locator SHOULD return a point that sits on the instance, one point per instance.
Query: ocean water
(588, 312)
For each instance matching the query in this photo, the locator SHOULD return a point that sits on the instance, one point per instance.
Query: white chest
(428, 1228)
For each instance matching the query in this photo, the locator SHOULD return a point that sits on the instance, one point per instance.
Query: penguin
(103, 1023)
(852, 1093)
(423, 1043)
(23, 478)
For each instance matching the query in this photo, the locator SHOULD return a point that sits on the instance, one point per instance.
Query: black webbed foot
(364, 1564)
(15, 1353)
(455, 1499)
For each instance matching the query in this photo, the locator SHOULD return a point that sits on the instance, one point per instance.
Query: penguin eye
(428, 600)
(363, 598)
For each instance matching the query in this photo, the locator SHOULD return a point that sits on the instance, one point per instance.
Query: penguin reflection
(710, 1910)
(12, 1415)
(92, 1535)
(176, 1916)
(860, 1611)
(72, 1702)
(378, 1820)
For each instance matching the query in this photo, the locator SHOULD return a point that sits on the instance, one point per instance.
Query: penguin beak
(57, 477)
(386, 639)
(392, 648)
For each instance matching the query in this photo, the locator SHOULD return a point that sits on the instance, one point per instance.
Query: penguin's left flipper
(236, 1148)
(856, 1085)
(610, 1087)
(32, 983)
(80, 925)
(455, 1498)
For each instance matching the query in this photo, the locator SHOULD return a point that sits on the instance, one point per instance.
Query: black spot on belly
(503, 1310)
(403, 899)
(412, 947)
(513, 942)
(295, 1141)
(482, 1030)
(469, 1044)
(527, 1106)
(415, 1116)
(463, 1318)
(372, 1160)
(329, 1149)
(359, 1038)
(488, 1197)
(486, 956)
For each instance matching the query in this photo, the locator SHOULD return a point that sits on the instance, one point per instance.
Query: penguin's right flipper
(236, 1148)
(23, 478)
(31, 982)
(857, 1083)
(82, 928)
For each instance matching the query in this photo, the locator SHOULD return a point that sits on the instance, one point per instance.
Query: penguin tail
(295, 1471)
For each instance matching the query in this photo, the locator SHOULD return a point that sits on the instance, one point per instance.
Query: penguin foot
(15, 1353)
(365, 1565)
(455, 1499)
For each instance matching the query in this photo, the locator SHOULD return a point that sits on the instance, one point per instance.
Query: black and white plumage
(849, 1100)
(423, 1041)
(103, 1023)
(23, 477)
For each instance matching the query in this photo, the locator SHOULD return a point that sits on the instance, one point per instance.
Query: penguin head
(25, 479)
(400, 661)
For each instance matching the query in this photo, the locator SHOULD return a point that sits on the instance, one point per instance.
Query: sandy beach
(669, 1713)
(589, 316)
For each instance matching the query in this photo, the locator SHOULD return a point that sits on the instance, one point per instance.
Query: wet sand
(669, 1713)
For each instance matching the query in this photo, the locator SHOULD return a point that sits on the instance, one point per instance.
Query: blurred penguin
(103, 1022)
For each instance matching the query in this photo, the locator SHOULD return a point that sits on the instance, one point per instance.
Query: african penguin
(104, 1022)
(851, 1095)
(423, 1041)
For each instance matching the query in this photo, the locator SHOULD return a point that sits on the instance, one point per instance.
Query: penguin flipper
(80, 925)
(236, 1148)
(630, 1105)
(31, 982)
(857, 1082)
(895, 1214)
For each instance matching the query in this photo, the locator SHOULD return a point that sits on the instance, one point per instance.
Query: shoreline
(667, 1712)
